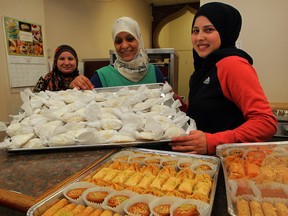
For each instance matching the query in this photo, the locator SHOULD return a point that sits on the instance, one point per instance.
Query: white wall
(86, 24)
(32, 11)
(264, 36)
(83, 24)
(181, 41)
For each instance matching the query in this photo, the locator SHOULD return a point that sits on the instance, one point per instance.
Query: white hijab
(137, 68)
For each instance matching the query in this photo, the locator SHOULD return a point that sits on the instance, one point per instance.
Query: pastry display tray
(92, 146)
(251, 186)
(40, 207)
(138, 142)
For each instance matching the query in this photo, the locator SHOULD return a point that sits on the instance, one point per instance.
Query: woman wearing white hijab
(131, 66)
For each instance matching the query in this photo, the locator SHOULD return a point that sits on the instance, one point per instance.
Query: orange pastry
(139, 208)
(117, 200)
(75, 193)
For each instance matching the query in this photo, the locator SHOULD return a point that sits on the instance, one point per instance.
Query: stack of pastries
(143, 182)
(64, 208)
(153, 179)
(257, 178)
(247, 208)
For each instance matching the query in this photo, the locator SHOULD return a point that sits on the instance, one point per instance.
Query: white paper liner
(202, 207)
(275, 200)
(122, 156)
(146, 198)
(185, 162)
(234, 184)
(96, 188)
(166, 200)
(118, 208)
(74, 186)
(156, 160)
(196, 164)
(235, 151)
(276, 189)
(137, 158)
(247, 151)
(172, 161)
(279, 150)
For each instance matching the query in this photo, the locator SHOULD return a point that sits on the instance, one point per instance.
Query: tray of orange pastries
(256, 177)
(137, 181)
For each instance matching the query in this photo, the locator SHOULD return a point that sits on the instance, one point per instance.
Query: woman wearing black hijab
(226, 99)
(64, 71)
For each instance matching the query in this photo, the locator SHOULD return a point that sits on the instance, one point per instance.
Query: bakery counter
(27, 178)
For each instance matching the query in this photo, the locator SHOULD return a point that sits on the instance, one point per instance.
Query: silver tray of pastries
(114, 116)
(256, 177)
(157, 182)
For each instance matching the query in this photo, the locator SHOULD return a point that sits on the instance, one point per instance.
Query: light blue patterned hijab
(135, 69)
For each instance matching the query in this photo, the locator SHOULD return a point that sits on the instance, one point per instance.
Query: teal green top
(110, 77)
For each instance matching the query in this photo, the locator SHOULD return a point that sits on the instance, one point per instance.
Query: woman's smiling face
(205, 38)
(126, 46)
(66, 62)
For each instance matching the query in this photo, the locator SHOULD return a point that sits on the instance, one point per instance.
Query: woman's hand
(81, 82)
(194, 143)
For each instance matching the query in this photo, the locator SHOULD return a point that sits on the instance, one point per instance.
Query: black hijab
(227, 20)
(58, 80)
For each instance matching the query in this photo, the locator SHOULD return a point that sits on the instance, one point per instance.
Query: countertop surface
(26, 178)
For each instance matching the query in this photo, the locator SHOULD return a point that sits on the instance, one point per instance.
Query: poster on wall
(25, 52)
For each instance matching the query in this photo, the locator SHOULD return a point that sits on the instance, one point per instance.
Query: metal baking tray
(103, 145)
(92, 146)
(221, 152)
(40, 207)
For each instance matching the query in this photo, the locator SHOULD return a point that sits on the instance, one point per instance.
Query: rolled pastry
(122, 176)
(186, 173)
(282, 209)
(97, 212)
(202, 188)
(87, 211)
(78, 209)
(146, 181)
(203, 177)
(101, 173)
(107, 212)
(150, 169)
(243, 208)
(134, 179)
(268, 209)
(187, 186)
(158, 181)
(255, 208)
(110, 175)
(65, 210)
(53, 209)
(171, 183)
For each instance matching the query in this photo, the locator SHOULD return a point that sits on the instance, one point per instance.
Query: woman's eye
(118, 41)
(130, 39)
(210, 30)
(195, 31)
(71, 58)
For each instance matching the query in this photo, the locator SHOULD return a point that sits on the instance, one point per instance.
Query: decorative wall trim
(165, 14)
